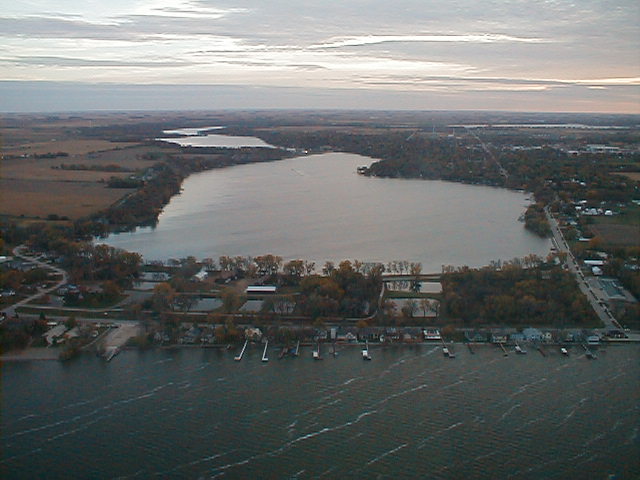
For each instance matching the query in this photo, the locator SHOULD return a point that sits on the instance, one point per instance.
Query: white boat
(316, 353)
(365, 352)
(520, 350)
(445, 351)
(564, 351)
(264, 353)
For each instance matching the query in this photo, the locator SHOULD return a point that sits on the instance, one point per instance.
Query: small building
(431, 334)
(54, 333)
(260, 289)
(594, 263)
(201, 275)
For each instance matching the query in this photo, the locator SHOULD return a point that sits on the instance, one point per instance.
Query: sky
(543, 55)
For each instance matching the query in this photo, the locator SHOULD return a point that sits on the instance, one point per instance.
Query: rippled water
(317, 208)
(409, 413)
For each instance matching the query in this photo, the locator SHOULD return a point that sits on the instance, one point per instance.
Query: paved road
(488, 151)
(597, 303)
(17, 252)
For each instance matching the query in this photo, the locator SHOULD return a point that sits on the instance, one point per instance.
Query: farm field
(49, 168)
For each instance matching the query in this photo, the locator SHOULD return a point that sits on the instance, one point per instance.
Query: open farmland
(71, 147)
(50, 168)
(635, 176)
(40, 198)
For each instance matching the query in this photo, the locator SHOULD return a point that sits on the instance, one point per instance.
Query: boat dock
(110, 352)
(446, 351)
(588, 352)
(504, 350)
(470, 349)
(241, 354)
(541, 350)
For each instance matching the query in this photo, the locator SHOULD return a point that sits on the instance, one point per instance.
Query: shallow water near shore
(317, 208)
(409, 413)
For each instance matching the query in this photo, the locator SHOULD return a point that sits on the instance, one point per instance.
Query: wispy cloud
(377, 39)
(88, 62)
(460, 47)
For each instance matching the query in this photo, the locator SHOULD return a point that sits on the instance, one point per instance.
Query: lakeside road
(605, 316)
(17, 252)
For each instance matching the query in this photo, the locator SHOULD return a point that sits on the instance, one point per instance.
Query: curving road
(17, 252)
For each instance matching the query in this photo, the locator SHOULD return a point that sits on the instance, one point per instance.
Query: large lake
(409, 413)
(318, 208)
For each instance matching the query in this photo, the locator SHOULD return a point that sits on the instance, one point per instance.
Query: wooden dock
(589, 353)
(238, 357)
(110, 352)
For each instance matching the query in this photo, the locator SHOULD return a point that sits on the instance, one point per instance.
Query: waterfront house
(475, 336)
(533, 335)
(391, 334)
(499, 336)
(370, 334)
(517, 337)
(431, 334)
(411, 334)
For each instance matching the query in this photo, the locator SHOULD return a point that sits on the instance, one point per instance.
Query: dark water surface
(409, 413)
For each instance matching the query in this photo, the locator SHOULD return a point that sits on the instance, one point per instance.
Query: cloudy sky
(543, 55)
